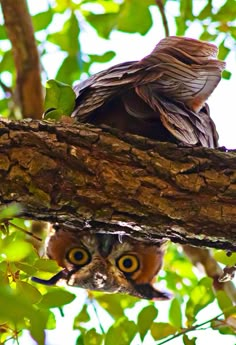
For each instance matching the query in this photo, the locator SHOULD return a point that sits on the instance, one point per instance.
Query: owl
(162, 97)
(109, 263)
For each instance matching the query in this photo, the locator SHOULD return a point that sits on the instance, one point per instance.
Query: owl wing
(170, 86)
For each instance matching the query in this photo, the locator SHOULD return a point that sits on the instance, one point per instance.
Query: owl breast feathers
(105, 263)
(161, 96)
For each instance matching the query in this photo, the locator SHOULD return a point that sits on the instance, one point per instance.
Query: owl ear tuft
(147, 291)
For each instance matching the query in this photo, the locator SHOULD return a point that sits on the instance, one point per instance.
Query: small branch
(190, 329)
(21, 34)
(97, 316)
(212, 269)
(25, 231)
(6, 89)
(163, 16)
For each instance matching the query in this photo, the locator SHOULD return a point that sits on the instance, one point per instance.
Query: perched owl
(106, 263)
(161, 97)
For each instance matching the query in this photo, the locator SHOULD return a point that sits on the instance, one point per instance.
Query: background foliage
(60, 28)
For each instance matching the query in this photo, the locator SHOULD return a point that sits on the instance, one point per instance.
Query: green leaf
(200, 296)
(25, 267)
(56, 298)
(53, 114)
(67, 39)
(42, 20)
(207, 36)
(83, 316)
(121, 333)
(3, 34)
(70, 69)
(80, 340)
(38, 325)
(175, 314)
(186, 9)
(227, 12)
(103, 23)
(59, 96)
(224, 302)
(47, 265)
(7, 62)
(107, 56)
(181, 26)
(17, 250)
(226, 74)
(115, 304)
(160, 330)
(145, 320)
(222, 257)
(128, 22)
(51, 321)
(223, 51)
(28, 291)
(206, 11)
(223, 327)
(14, 307)
(92, 338)
(188, 341)
(10, 211)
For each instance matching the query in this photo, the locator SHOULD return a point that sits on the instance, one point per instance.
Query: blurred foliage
(59, 29)
(101, 318)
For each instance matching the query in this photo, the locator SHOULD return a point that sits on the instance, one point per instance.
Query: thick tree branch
(21, 34)
(73, 174)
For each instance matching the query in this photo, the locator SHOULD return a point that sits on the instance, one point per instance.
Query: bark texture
(81, 176)
(29, 92)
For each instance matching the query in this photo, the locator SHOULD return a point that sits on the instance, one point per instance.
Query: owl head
(106, 263)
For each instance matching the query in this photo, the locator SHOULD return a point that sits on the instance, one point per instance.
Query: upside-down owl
(161, 97)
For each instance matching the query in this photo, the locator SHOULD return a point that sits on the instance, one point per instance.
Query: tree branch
(79, 176)
(21, 34)
(160, 5)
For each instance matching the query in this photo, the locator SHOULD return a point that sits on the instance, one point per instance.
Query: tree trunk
(81, 176)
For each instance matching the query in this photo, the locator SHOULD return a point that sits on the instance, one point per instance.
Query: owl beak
(64, 274)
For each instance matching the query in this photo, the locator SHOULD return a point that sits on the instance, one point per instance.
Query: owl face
(105, 263)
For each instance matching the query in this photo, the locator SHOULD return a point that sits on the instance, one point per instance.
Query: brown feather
(161, 96)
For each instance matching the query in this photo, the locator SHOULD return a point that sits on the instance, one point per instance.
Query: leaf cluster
(60, 29)
(103, 319)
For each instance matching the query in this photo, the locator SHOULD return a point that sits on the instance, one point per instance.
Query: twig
(98, 318)
(25, 231)
(187, 330)
(5, 88)
(163, 16)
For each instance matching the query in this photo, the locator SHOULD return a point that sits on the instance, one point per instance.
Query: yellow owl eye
(78, 256)
(128, 263)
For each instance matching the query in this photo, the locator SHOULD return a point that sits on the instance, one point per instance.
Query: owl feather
(163, 96)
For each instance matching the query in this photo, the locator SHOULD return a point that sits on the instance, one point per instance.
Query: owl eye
(128, 263)
(78, 256)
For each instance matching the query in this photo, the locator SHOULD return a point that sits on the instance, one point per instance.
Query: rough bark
(79, 176)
